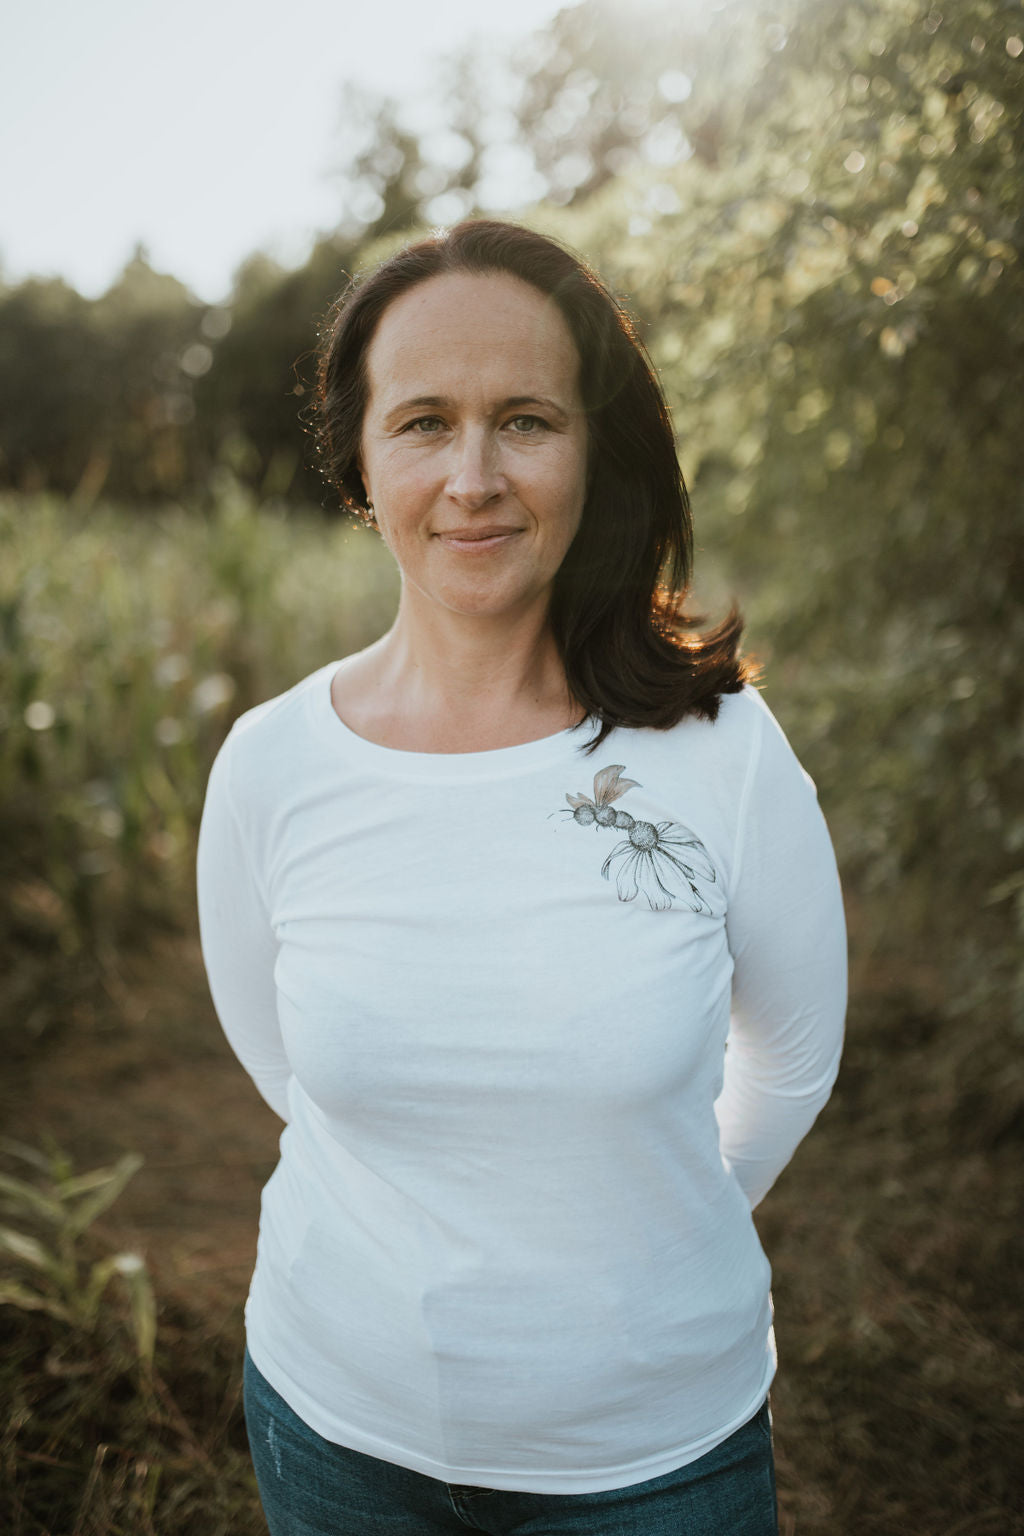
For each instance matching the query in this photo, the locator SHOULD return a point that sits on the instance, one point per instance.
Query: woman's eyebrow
(443, 402)
(544, 401)
(414, 403)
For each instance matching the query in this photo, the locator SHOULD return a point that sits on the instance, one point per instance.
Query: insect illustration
(608, 786)
(651, 854)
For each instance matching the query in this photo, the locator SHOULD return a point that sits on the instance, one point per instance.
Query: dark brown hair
(617, 608)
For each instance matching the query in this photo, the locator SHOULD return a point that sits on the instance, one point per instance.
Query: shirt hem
(570, 1480)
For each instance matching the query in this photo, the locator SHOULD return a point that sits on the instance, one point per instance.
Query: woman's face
(474, 442)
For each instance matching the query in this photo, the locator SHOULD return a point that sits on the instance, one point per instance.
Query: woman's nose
(476, 476)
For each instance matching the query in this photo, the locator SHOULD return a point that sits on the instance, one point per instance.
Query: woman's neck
(447, 682)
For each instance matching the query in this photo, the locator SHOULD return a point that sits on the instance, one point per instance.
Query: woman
(476, 905)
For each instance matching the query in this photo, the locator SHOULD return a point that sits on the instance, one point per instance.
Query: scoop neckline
(492, 762)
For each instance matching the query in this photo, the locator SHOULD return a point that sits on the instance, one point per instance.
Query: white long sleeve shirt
(509, 1240)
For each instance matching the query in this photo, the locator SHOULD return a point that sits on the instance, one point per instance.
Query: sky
(206, 129)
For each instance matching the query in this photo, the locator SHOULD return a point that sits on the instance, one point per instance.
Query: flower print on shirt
(647, 858)
(652, 856)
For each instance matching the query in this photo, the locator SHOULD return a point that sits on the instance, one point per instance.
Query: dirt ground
(161, 1081)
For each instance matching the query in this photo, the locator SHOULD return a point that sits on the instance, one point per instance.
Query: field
(128, 645)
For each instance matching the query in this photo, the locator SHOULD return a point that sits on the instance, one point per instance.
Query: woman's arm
(787, 936)
(239, 946)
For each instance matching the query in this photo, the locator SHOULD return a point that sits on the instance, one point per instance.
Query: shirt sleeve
(238, 942)
(787, 936)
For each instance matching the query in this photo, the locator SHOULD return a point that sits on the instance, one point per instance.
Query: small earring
(368, 515)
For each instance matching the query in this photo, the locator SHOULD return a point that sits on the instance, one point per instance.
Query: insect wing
(608, 786)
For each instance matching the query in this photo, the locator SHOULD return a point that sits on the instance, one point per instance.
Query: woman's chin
(486, 601)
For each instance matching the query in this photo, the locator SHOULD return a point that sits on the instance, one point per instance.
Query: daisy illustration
(652, 856)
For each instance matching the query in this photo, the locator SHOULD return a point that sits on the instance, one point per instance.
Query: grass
(87, 1449)
(900, 1400)
(127, 646)
(93, 1436)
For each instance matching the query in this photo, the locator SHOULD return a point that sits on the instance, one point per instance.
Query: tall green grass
(127, 646)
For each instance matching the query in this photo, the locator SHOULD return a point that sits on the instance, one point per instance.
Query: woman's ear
(361, 472)
(365, 512)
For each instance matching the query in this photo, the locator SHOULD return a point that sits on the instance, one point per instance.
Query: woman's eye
(526, 424)
(427, 426)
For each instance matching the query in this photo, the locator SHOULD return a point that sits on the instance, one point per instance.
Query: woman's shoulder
(744, 711)
(723, 755)
(272, 713)
(735, 731)
(271, 737)
(747, 729)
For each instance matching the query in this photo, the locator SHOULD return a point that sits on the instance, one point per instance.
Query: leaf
(27, 1154)
(26, 1195)
(105, 1194)
(82, 1183)
(22, 1246)
(14, 1295)
(143, 1305)
(99, 1278)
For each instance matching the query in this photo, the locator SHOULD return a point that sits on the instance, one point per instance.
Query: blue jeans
(311, 1487)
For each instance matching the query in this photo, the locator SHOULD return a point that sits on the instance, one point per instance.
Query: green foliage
(250, 404)
(93, 1440)
(51, 1213)
(127, 646)
(601, 101)
(144, 394)
(94, 395)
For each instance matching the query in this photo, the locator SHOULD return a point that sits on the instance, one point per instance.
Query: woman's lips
(477, 541)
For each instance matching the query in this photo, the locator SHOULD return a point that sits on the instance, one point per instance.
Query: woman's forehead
(465, 325)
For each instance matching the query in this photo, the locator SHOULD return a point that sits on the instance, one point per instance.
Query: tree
(47, 353)
(92, 394)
